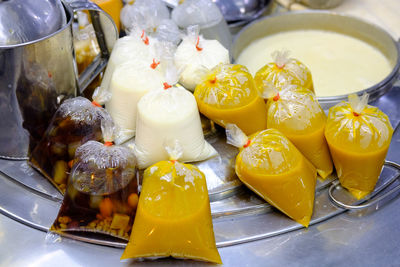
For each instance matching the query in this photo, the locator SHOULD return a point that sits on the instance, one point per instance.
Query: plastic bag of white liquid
(148, 14)
(196, 53)
(137, 46)
(132, 80)
(165, 114)
(205, 14)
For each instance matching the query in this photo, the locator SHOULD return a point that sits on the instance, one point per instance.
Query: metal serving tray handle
(370, 200)
(241, 218)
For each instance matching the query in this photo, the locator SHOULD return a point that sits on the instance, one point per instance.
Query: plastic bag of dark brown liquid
(75, 122)
(102, 190)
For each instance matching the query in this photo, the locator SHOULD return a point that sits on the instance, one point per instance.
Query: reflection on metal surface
(240, 218)
(369, 199)
(36, 74)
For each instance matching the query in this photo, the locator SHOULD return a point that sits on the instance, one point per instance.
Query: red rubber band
(197, 44)
(154, 64)
(94, 103)
(277, 97)
(166, 86)
(247, 144)
(108, 143)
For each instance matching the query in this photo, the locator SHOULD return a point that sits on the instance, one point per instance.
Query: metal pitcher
(38, 67)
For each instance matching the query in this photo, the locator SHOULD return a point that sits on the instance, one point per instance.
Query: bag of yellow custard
(358, 136)
(283, 71)
(227, 94)
(173, 216)
(296, 113)
(272, 167)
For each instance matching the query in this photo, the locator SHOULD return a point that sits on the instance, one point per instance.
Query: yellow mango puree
(173, 216)
(297, 114)
(358, 142)
(272, 167)
(228, 95)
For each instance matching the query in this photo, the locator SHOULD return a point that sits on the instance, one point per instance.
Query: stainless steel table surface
(369, 237)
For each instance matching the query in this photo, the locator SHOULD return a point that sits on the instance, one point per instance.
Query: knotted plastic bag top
(294, 109)
(267, 151)
(95, 159)
(227, 86)
(283, 71)
(195, 53)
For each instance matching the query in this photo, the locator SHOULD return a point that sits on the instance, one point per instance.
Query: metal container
(38, 70)
(321, 4)
(323, 20)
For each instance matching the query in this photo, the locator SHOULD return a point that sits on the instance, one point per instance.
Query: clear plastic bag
(85, 43)
(173, 216)
(283, 71)
(207, 15)
(227, 94)
(358, 136)
(165, 114)
(148, 14)
(132, 80)
(272, 167)
(296, 112)
(167, 31)
(196, 53)
(75, 122)
(137, 46)
(102, 191)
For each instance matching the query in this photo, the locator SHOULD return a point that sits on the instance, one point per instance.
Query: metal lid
(26, 20)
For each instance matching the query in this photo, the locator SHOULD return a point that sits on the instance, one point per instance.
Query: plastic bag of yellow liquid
(283, 71)
(296, 112)
(358, 136)
(227, 94)
(272, 167)
(173, 216)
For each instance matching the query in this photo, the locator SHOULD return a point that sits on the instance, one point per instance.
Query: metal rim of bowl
(70, 17)
(330, 99)
(258, 14)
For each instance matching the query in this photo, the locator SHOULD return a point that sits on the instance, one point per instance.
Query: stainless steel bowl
(324, 20)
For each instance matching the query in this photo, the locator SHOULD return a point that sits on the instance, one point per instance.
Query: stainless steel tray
(240, 217)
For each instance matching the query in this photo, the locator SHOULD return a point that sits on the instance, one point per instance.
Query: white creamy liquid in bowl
(339, 64)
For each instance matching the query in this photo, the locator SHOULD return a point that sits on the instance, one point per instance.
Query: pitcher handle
(106, 34)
